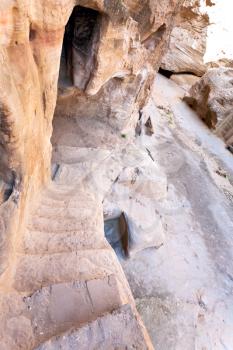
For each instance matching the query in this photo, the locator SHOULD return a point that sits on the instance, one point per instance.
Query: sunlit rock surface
(77, 73)
(188, 40)
(212, 98)
(107, 75)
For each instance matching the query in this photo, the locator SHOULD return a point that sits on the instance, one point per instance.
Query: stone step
(75, 193)
(57, 201)
(58, 308)
(71, 155)
(77, 174)
(62, 225)
(62, 189)
(29, 320)
(52, 186)
(67, 213)
(95, 178)
(72, 216)
(59, 195)
(120, 329)
(47, 202)
(36, 242)
(36, 271)
(70, 207)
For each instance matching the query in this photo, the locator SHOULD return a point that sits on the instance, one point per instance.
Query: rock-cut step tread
(117, 330)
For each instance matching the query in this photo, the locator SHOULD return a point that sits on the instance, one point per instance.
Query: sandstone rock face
(185, 80)
(188, 41)
(212, 98)
(101, 57)
(136, 193)
(108, 57)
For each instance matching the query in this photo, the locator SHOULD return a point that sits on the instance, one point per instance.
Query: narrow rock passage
(184, 289)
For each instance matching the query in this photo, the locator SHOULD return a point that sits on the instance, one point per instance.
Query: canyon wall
(111, 79)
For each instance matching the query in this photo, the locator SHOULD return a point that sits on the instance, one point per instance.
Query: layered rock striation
(188, 41)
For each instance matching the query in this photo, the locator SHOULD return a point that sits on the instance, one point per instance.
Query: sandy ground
(184, 289)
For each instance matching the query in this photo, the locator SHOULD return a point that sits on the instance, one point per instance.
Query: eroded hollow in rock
(155, 38)
(80, 45)
(166, 73)
(6, 190)
(117, 233)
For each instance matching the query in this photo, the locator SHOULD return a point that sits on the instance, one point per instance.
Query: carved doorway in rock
(80, 45)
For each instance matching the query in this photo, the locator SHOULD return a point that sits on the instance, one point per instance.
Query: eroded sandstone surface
(212, 98)
(183, 290)
(188, 40)
(77, 73)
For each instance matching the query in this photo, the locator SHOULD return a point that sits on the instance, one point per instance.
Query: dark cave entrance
(166, 73)
(117, 234)
(78, 60)
(79, 48)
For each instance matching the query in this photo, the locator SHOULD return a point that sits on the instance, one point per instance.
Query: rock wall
(84, 60)
(212, 97)
(125, 53)
(188, 40)
(30, 44)
(129, 51)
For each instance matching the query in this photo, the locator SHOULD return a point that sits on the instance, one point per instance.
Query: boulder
(212, 97)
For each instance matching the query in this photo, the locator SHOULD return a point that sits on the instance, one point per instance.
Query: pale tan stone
(188, 41)
(51, 233)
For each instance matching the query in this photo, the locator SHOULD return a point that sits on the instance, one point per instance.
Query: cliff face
(188, 40)
(111, 78)
(93, 59)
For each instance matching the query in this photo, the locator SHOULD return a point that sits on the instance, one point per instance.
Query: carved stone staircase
(68, 290)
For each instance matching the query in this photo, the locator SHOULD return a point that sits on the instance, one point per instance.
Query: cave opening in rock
(117, 234)
(78, 60)
(79, 48)
(166, 73)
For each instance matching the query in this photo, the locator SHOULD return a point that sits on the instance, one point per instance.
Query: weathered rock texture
(223, 62)
(107, 53)
(66, 275)
(188, 41)
(185, 80)
(212, 98)
(136, 193)
(123, 44)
